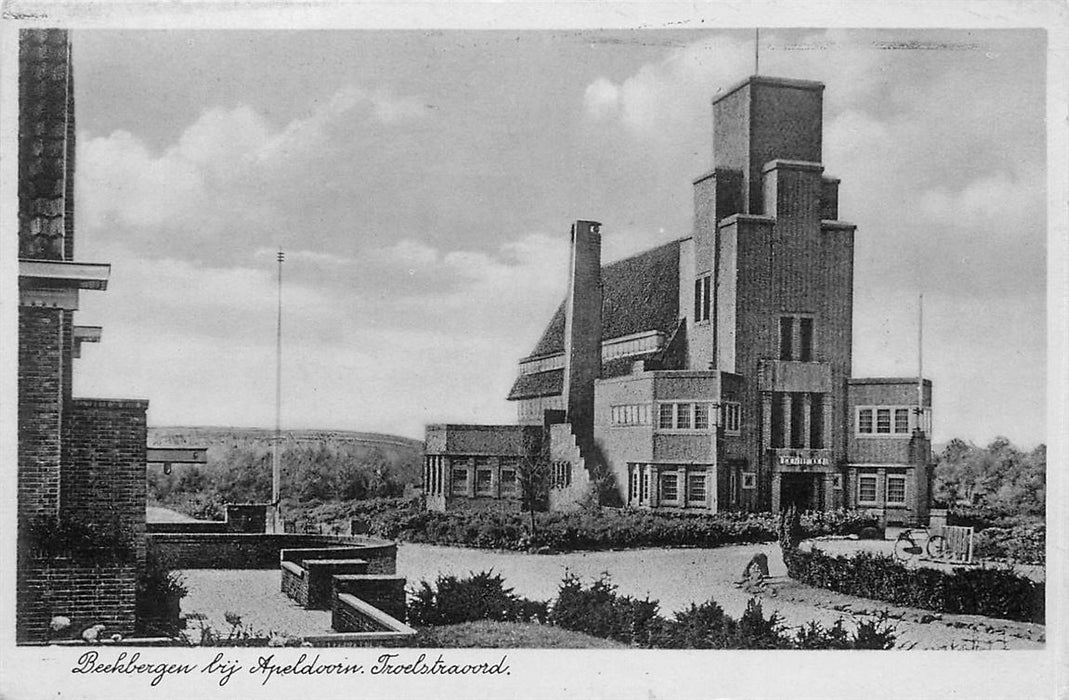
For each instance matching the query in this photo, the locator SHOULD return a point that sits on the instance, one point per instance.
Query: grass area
(485, 634)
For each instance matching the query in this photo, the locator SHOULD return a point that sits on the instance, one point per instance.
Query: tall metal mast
(757, 51)
(276, 471)
(920, 361)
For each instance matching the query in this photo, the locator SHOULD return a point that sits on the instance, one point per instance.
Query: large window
(508, 482)
(460, 482)
(896, 490)
(805, 345)
(885, 420)
(866, 489)
(685, 415)
(631, 414)
(696, 488)
(786, 338)
(702, 293)
(484, 482)
(669, 487)
(732, 417)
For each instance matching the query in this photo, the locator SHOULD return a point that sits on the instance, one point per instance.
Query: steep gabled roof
(640, 293)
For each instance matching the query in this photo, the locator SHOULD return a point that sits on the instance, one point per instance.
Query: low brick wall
(259, 551)
(87, 594)
(201, 526)
(295, 583)
(387, 593)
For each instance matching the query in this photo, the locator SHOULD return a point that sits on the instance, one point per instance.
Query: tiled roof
(529, 386)
(640, 293)
(46, 145)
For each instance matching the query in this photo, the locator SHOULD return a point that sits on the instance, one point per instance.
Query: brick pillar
(807, 417)
(775, 491)
(41, 409)
(582, 331)
(826, 415)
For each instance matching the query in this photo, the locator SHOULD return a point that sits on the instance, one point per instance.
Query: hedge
(977, 591)
(598, 529)
(1023, 544)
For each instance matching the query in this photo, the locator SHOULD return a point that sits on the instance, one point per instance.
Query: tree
(533, 472)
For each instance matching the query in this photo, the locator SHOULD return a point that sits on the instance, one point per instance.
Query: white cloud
(995, 200)
(601, 99)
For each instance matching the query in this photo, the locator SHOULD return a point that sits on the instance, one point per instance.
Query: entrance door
(800, 491)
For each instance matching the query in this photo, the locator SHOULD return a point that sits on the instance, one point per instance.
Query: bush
(598, 529)
(980, 591)
(1023, 544)
(159, 596)
(601, 612)
(481, 596)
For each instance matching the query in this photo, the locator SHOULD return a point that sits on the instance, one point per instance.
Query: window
(696, 488)
(644, 482)
(632, 484)
(837, 482)
(670, 487)
(786, 338)
(702, 287)
(484, 482)
(508, 482)
(749, 480)
(685, 416)
(866, 489)
(901, 420)
(816, 421)
(682, 416)
(460, 482)
(732, 417)
(896, 490)
(883, 420)
(864, 420)
(633, 414)
(805, 349)
(701, 416)
(888, 420)
(667, 416)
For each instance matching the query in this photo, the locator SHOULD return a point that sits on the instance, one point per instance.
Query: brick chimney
(582, 330)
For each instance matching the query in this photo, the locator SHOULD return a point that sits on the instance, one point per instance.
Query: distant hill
(207, 436)
(316, 466)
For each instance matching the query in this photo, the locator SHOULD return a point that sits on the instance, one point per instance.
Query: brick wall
(88, 594)
(387, 593)
(258, 551)
(104, 482)
(40, 410)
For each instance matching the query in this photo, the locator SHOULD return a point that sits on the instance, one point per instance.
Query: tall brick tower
(81, 462)
(780, 267)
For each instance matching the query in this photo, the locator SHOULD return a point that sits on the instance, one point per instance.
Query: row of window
(867, 489)
(680, 415)
(890, 420)
(671, 489)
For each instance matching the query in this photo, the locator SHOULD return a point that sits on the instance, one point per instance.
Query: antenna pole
(920, 360)
(757, 51)
(276, 471)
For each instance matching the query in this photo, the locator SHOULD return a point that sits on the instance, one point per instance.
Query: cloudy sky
(423, 184)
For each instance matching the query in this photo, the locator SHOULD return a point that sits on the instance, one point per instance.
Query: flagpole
(276, 471)
(920, 360)
(757, 51)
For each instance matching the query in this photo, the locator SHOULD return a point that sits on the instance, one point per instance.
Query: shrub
(980, 591)
(480, 596)
(1023, 544)
(84, 542)
(159, 596)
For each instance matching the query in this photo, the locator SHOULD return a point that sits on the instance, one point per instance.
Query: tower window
(702, 302)
(805, 349)
(786, 338)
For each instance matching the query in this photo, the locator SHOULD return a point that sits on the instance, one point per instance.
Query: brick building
(714, 372)
(81, 462)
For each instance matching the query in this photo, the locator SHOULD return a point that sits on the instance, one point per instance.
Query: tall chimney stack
(582, 330)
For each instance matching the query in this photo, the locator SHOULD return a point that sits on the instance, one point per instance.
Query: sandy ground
(675, 577)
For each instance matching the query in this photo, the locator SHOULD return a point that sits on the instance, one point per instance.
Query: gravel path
(675, 577)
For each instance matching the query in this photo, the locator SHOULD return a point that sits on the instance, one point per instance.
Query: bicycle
(906, 546)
